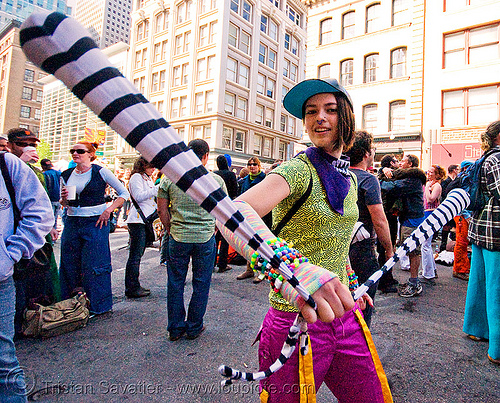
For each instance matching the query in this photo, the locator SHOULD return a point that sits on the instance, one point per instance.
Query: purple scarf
(334, 175)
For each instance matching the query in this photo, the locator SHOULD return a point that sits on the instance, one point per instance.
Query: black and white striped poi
(62, 47)
(455, 202)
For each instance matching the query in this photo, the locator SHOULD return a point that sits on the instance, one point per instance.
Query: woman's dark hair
(439, 172)
(91, 148)
(362, 144)
(140, 166)
(488, 138)
(222, 162)
(346, 123)
(387, 160)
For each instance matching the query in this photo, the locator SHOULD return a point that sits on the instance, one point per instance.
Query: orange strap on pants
(461, 262)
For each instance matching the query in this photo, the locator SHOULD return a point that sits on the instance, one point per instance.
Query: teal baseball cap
(295, 98)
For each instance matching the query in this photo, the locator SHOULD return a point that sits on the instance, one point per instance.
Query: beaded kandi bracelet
(291, 257)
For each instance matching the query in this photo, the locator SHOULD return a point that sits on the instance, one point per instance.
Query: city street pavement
(126, 356)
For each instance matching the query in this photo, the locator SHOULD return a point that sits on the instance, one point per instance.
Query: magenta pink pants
(341, 359)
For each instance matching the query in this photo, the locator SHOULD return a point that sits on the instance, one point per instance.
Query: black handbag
(148, 222)
(42, 257)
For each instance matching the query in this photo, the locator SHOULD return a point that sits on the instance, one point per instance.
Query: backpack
(470, 181)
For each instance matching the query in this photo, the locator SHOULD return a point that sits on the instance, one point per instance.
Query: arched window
(371, 63)
(346, 69)
(372, 18)
(324, 70)
(325, 31)
(142, 29)
(348, 25)
(370, 118)
(398, 62)
(397, 115)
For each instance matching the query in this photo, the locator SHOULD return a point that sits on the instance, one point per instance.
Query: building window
(326, 31)
(370, 118)
(271, 60)
(348, 25)
(185, 73)
(156, 52)
(372, 18)
(262, 53)
(27, 93)
(241, 108)
(270, 88)
(37, 114)
(257, 144)
(174, 110)
(161, 21)
(25, 111)
(232, 68)
(201, 68)
(142, 30)
(243, 8)
(39, 95)
(399, 12)
(259, 114)
(244, 74)
(324, 70)
(176, 76)
(212, 31)
(294, 15)
(183, 106)
(471, 106)
(229, 101)
(371, 62)
(203, 38)
(233, 35)
(264, 19)
(154, 82)
(398, 63)
(29, 75)
(267, 147)
(184, 11)
(283, 123)
(162, 79)
(293, 72)
(282, 147)
(290, 129)
(210, 66)
(471, 46)
(234, 137)
(269, 118)
(397, 116)
(206, 5)
(273, 30)
(261, 83)
(346, 72)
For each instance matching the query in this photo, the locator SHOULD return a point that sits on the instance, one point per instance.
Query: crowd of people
(328, 201)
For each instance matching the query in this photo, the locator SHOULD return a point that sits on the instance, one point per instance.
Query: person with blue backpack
(482, 306)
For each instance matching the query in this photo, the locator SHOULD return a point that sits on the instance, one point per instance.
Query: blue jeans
(203, 257)
(12, 385)
(86, 261)
(482, 307)
(136, 250)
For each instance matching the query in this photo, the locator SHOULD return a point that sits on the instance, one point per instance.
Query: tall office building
(66, 120)
(423, 75)
(218, 70)
(20, 92)
(107, 20)
(20, 9)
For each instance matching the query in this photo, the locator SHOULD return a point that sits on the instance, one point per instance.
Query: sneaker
(410, 290)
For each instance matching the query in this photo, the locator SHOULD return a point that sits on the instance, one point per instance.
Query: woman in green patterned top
(321, 230)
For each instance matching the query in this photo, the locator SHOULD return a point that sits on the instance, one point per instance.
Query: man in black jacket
(410, 193)
(229, 179)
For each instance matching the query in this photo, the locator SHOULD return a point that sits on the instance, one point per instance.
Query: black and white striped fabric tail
(299, 328)
(62, 47)
(455, 202)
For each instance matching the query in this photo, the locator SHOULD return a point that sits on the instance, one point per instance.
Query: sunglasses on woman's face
(78, 151)
(251, 164)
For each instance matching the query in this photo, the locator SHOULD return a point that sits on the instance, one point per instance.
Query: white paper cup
(71, 192)
(30, 148)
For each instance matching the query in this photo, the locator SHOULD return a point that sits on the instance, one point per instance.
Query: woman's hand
(333, 300)
(364, 300)
(64, 196)
(103, 218)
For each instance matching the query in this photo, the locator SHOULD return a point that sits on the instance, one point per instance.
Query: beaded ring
(291, 257)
